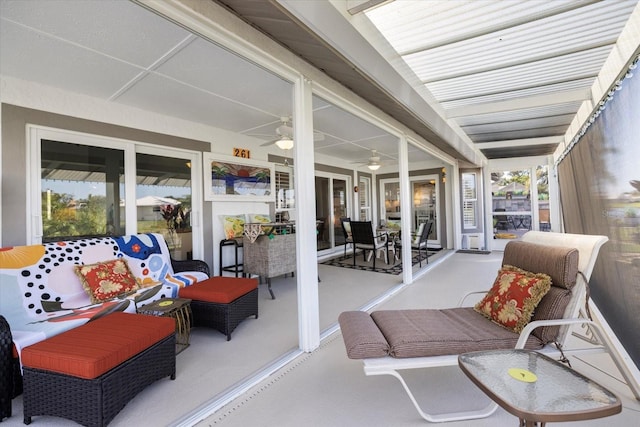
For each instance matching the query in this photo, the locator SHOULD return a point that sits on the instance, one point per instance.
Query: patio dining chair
(345, 222)
(419, 241)
(503, 221)
(363, 238)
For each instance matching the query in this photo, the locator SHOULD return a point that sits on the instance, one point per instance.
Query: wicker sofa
(41, 296)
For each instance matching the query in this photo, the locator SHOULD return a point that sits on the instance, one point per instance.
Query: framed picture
(237, 179)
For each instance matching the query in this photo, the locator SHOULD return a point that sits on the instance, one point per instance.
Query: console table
(536, 388)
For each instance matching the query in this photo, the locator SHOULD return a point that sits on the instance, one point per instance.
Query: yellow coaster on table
(523, 375)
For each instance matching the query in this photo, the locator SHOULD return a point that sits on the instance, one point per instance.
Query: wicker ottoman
(88, 374)
(222, 303)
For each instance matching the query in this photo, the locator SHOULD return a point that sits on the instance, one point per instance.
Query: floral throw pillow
(106, 280)
(233, 225)
(513, 297)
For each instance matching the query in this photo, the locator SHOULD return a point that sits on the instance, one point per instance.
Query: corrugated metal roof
(483, 52)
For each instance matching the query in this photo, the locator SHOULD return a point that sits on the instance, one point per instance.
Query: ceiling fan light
(285, 143)
(374, 166)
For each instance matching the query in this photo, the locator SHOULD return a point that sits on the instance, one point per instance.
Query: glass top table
(536, 388)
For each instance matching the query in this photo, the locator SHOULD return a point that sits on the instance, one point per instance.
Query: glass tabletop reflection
(535, 387)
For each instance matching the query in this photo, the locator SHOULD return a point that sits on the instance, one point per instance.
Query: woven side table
(270, 256)
(180, 310)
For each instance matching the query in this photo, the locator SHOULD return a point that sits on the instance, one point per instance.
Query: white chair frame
(588, 248)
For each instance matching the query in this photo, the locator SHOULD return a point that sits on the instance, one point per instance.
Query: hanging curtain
(599, 180)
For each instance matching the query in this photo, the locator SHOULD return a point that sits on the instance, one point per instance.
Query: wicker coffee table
(180, 310)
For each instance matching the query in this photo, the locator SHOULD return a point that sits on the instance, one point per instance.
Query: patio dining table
(521, 221)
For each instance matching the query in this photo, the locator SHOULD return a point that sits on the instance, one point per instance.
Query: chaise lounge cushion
(362, 338)
(561, 264)
(432, 332)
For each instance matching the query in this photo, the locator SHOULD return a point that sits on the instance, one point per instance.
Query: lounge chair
(393, 340)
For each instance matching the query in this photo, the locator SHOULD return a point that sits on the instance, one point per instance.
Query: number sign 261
(242, 152)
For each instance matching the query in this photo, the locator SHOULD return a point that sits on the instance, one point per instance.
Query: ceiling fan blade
(273, 141)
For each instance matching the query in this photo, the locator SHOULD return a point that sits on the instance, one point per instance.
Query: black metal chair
(363, 238)
(419, 241)
(345, 222)
(503, 221)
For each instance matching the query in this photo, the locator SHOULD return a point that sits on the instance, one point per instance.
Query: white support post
(306, 250)
(405, 208)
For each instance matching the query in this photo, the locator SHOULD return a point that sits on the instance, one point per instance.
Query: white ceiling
(509, 74)
(120, 52)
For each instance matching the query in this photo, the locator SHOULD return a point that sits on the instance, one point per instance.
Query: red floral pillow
(513, 297)
(106, 280)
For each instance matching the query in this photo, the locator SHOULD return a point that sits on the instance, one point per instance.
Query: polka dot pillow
(513, 297)
(104, 281)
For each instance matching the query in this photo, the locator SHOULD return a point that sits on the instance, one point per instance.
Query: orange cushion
(513, 297)
(219, 289)
(106, 280)
(94, 348)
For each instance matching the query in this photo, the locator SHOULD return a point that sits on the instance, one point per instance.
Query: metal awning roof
(505, 70)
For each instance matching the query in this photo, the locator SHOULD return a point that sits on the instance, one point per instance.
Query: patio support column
(306, 251)
(405, 208)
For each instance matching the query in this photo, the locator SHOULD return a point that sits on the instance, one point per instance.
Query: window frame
(130, 149)
(471, 200)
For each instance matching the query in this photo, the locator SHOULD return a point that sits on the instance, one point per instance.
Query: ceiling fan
(374, 161)
(284, 135)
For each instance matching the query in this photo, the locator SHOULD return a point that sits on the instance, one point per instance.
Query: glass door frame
(331, 177)
(195, 160)
(413, 179)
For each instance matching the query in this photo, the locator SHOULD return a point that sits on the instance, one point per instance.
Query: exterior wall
(15, 168)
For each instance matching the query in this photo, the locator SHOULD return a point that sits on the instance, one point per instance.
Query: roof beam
(470, 71)
(563, 97)
(357, 6)
(520, 142)
(569, 79)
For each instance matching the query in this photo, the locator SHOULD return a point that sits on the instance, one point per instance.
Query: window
(469, 200)
(82, 191)
(364, 198)
(285, 199)
(84, 185)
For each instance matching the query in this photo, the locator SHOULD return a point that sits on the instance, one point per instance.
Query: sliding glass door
(332, 203)
(163, 201)
(425, 204)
